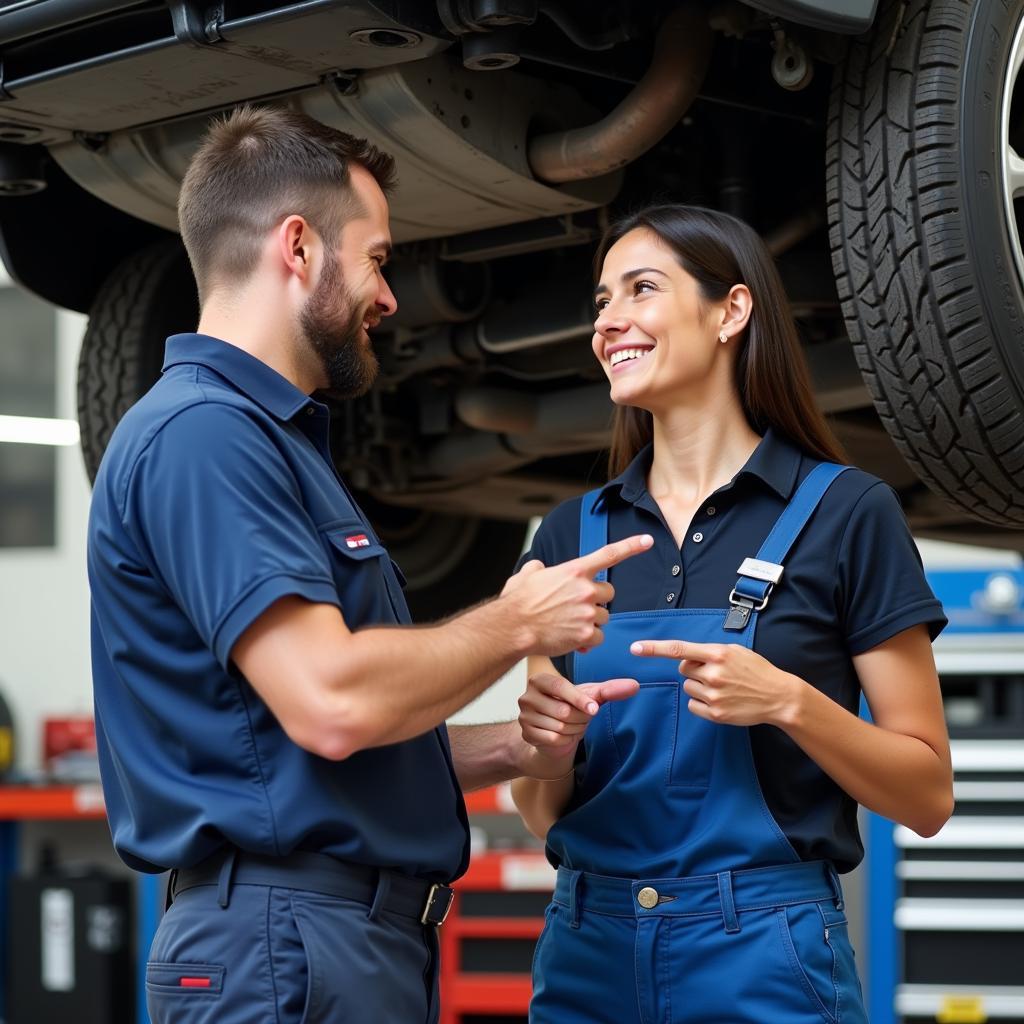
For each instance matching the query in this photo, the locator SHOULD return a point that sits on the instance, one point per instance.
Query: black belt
(379, 889)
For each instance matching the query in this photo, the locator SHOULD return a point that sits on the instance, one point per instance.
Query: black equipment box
(71, 950)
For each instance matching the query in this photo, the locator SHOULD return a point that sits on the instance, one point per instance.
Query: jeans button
(647, 897)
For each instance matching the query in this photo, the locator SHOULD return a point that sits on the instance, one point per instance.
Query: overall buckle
(746, 602)
(742, 605)
(438, 904)
(739, 613)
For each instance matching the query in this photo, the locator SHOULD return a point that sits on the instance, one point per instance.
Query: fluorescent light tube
(37, 430)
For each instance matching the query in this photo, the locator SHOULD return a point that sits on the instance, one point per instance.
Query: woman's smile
(622, 357)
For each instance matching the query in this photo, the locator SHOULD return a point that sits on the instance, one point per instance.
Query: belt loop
(574, 900)
(833, 880)
(732, 922)
(227, 869)
(381, 894)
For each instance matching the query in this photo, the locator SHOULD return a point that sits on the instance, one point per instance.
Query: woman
(700, 824)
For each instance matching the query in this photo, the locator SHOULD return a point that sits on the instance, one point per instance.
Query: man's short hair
(257, 166)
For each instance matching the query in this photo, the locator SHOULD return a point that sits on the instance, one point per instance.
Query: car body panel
(847, 16)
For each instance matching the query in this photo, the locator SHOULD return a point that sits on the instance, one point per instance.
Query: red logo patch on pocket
(194, 982)
(357, 540)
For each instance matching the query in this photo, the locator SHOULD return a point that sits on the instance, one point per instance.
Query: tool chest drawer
(960, 902)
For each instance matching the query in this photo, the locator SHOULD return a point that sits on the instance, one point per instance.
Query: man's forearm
(336, 691)
(404, 682)
(487, 754)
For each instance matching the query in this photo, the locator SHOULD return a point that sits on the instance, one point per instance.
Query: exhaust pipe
(681, 56)
(512, 429)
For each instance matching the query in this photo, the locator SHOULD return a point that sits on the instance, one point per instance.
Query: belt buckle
(438, 904)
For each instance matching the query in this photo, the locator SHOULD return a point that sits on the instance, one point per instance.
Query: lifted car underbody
(519, 128)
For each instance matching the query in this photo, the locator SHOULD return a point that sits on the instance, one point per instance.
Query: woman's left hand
(729, 683)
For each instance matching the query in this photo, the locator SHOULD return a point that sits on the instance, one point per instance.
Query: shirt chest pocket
(369, 584)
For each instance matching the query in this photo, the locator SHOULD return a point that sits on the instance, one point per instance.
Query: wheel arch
(63, 243)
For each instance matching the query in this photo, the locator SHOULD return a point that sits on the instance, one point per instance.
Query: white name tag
(758, 570)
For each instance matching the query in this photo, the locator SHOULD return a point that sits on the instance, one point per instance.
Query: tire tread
(113, 361)
(908, 292)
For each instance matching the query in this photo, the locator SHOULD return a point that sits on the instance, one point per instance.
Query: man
(291, 765)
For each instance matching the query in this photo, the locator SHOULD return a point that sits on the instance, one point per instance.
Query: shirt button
(698, 537)
(670, 598)
(310, 410)
(675, 570)
(711, 510)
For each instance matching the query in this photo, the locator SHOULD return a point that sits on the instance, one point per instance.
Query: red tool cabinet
(496, 917)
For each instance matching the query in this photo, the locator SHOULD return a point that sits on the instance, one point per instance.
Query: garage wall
(44, 598)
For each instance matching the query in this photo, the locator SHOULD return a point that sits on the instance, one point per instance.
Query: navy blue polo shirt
(216, 497)
(853, 580)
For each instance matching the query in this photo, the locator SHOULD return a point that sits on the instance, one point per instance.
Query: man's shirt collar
(247, 374)
(775, 462)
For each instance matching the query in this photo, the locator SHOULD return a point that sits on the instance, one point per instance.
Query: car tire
(926, 244)
(149, 296)
(450, 561)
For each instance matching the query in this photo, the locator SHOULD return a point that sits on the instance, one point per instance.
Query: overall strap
(759, 575)
(593, 528)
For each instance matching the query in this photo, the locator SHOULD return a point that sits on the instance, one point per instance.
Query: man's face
(351, 296)
(332, 321)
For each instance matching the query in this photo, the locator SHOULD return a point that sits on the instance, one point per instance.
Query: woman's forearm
(540, 804)
(896, 775)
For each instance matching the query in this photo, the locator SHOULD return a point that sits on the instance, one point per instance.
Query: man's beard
(350, 366)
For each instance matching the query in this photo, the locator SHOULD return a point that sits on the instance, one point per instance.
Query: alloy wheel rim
(1013, 150)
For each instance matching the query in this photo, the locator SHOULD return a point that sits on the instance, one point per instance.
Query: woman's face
(653, 338)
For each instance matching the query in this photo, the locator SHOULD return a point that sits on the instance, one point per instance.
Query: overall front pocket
(655, 721)
(655, 725)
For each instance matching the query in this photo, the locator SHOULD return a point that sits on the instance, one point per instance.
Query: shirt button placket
(671, 595)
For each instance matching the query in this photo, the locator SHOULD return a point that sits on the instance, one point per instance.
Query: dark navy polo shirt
(852, 580)
(216, 497)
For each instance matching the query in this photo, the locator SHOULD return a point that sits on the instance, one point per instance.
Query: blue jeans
(775, 950)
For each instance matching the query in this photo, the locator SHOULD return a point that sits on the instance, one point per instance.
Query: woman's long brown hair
(772, 377)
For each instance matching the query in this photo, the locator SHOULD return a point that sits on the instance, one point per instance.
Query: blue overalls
(678, 897)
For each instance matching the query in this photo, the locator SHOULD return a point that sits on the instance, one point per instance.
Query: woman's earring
(723, 337)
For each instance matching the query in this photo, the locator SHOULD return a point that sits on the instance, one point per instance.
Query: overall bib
(679, 898)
